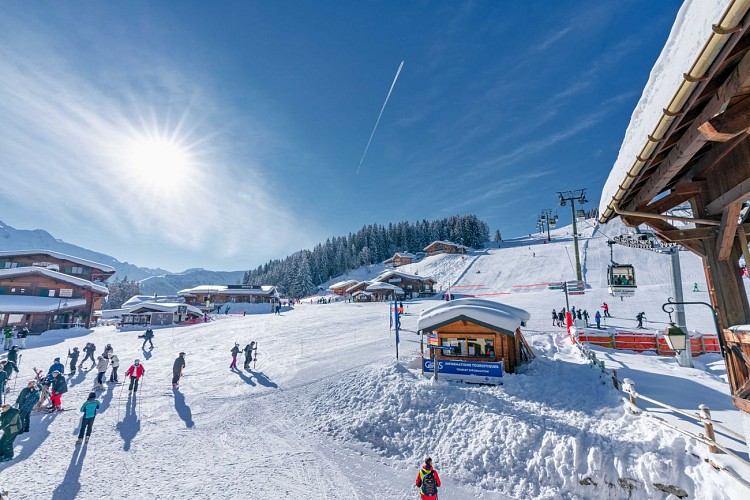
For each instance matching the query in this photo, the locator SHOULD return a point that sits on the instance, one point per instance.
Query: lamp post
(714, 315)
(677, 338)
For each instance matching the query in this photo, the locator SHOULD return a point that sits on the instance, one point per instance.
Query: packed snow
(328, 412)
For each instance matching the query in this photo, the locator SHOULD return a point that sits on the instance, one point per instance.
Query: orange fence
(700, 343)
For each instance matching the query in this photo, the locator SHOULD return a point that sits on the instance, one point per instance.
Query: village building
(357, 287)
(56, 261)
(400, 259)
(341, 287)
(382, 292)
(479, 340)
(437, 247)
(209, 296)
(412, 285)
(363, 296)
(150, 314)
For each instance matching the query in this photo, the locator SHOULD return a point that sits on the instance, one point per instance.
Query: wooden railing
(700, 343)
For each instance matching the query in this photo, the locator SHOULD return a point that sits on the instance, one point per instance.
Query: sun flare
(158, 160)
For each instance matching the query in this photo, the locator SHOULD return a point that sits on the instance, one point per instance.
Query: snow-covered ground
(329, 413)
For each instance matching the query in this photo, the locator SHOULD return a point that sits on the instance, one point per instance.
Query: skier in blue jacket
(89, 414)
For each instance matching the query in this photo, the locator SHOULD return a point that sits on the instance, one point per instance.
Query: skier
(101, 367)
(3, 380)
(428, 481)
(248, 350)
(554, 317)
(573, 311)
(235, 351)
(56, 366)
(25, 403)
(89, 349)
(10, 423)
(115, 362)
(579, 315)
(107, 354)
(695, 287)
(73, 360)
(13, 354)
(89, 415)
(148, 337)
(9, 367)
(640, 317)
(135, 372)
(598, 319)
(58, 387)
(177, 367)
(605, 307)
(22, 336)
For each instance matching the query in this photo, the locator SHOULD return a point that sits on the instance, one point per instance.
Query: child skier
(177, 367)
(135, 372)
(428, 481)
(235, 351)
(58, 387)
(89, 414)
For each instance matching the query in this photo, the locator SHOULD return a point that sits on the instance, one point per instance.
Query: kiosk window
(458, 345)
(481, 348)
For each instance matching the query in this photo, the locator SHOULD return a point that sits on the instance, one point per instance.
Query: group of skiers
(247, 351)
(558, 318)
(10, 333)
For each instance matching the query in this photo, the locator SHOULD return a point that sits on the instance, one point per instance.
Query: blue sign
(468, 371)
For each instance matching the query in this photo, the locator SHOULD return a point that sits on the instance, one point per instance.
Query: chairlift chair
(620, 277)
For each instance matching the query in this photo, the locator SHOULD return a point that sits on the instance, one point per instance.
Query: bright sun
(158, 160)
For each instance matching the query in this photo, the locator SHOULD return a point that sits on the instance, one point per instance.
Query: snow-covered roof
(32, 304)
(400, 274)
(58, 255)
(227, 290)
(690, 32)
(342, 284)
(139, 299)
(362, 292)
(23, 271)
(164, 307)
(404, 255)
(384, 286)
(448, 243)
(498, 316)
(356, 284)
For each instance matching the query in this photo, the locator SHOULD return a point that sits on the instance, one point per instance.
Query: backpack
(429, 487)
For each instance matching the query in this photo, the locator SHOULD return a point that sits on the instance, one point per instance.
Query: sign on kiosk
(468, 371)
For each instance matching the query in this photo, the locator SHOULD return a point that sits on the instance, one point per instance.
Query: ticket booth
(477, 340)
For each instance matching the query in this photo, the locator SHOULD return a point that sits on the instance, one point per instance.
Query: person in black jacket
(9, 367)
(148, 337)
(58, 387)
(10, 424)
(13, 354)
(248, 350)
(25, 402)
(89, 349)
(177, 367)
(73, 360)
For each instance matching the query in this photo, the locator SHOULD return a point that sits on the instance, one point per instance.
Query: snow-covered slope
(329, 413)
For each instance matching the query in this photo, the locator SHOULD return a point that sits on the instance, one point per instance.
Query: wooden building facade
(413, 285)
(55, 261)
(226, 294)
(400, 259)
(437, 247)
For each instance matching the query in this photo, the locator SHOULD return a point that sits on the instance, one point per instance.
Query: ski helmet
(137, 361)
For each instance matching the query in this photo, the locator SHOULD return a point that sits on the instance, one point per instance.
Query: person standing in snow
(22, 336)
(554, 317)
(115, 363)
(586, 317)
(89, 415)
(248, 351)
(108, 350)
(428, 481)
(135, 372)
(8, 338)
(639, 317)
(605, 308)
(101, 367)
(177, 367)
(148, 337)
(56, 366)
(3, 380)
(89, 349)
(598, 319)
(13, 354)
(10, 424)
(73, 360)
(235, 351)
(25, 403)
(58, 387)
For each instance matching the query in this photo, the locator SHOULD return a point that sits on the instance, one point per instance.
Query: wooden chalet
(56, 261)
(437, 247)
(45, 299)
(482, 335)
(688, 142)
(159, 314)
(400, 259)
(357, 287)
(382, 292)
(209, 296)
(362, 296)
(341, 287)
(412, 284)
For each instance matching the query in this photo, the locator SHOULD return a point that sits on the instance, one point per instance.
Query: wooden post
(613, 339)
(629, 387)
(708, 427)
(615, 382)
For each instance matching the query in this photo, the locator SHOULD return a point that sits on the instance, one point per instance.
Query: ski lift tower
(578, 195)
(550, 220)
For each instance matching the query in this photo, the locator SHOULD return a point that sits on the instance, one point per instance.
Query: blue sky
(223, 134)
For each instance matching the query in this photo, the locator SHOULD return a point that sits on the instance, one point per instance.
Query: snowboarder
(101, 367)
(235, 351)
(248, 350)
(554, 317)
(148, 337)
(25, 403)
(135, 372)
(640, 317)
(428, 481)
(605, 307)
(89, 349)
(177, 367)
(56, 366)
(22, 336)
(89, 414)
(10, 424)
(115, 363)
(598, 319)
(73, 360)
(58, 387)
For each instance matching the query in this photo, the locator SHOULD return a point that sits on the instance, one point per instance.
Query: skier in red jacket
(428, 481)
(135, 372)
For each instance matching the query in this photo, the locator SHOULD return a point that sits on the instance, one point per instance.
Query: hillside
(327, 401)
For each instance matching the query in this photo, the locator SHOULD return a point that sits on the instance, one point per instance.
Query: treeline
(300, 273)
(119, 292)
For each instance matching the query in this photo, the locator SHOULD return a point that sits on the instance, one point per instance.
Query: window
(10, 265)
(77, 270)
(458, 346)
(481, 348)
(470, 347)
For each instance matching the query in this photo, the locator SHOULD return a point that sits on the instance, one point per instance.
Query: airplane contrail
(398, 72)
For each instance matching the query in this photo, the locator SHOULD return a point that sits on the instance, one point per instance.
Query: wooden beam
(682, 235)
(681, 193)
(734, 121)
(738, 194)
(727, 230)
(692, 140)
(662, 227)
(742, 235)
